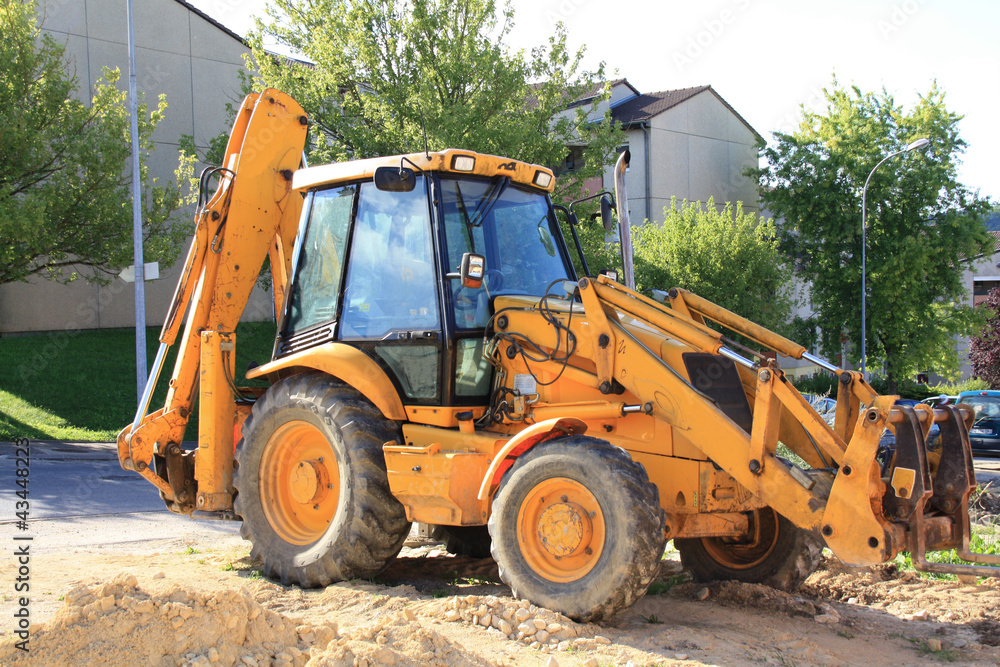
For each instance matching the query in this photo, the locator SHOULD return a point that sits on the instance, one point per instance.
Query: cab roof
(448, 161)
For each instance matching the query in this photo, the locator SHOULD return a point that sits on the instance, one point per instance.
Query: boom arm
(252, 214)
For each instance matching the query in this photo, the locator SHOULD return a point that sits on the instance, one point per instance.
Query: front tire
(780, 554)
(577, 527)
(311, 484)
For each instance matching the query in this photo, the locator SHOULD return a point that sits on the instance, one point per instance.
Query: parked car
(985, 432)
(887, 443)
(826, 407)
(942, 399)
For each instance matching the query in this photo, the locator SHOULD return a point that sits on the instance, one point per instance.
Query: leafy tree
(921, 224)
(727, 256)
(381, 72)
(65, 179)
(984, 348)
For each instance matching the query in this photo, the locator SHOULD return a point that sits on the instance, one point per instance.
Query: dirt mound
(119, 623)
(905, 594)
(166, 625)
(519, 620)
(869, 585)
(753, 596)
(396, 640)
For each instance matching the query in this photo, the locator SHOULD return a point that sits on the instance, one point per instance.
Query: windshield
(985, 406)
(509, 226)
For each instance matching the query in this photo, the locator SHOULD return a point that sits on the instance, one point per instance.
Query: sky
(767, 58)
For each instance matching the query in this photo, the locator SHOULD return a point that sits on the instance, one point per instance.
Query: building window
(981, 289)
(573, 161)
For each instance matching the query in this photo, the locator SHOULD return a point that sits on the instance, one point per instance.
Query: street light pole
(138, 261)
(919, 143)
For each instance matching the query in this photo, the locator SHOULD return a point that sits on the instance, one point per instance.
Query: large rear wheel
(775, 552)
(577, 527)
(311, 484)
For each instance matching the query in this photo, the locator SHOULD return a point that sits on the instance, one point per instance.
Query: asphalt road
(81, 498)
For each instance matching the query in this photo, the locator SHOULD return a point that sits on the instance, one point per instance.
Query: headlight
(542, 179)
(463, 163)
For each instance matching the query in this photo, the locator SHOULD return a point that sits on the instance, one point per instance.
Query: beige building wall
(195, 64)
(698, 149)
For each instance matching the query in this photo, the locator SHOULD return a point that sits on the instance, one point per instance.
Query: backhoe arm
(253, 213)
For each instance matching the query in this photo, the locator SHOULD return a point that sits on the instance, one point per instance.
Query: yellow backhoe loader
(439, 360)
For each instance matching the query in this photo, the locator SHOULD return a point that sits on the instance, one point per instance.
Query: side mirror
(473, 270)
(395, 179)
(606, 208)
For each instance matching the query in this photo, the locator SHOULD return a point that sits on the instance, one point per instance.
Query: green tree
(922, 222)
(380, 72)
(65, 179)
(727, 256)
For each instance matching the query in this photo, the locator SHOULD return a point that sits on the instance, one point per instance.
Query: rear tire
(783, 556)
(577, 527)
(311, 484)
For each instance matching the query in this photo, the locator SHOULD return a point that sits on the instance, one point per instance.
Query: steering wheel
(465, 301)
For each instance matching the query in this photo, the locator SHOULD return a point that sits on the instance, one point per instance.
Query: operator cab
(378, 259)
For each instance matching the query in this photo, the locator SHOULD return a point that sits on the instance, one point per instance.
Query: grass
(80, 385)
(943, 654)
(662, 586)
(240, 566)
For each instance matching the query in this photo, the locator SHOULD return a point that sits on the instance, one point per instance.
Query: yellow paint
(541, 431)
(443, 416)
(625, 382)
(216, 417)
(437, 485)
(521, 173)
(346, 363)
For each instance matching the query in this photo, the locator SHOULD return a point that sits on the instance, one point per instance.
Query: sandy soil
(172, 603)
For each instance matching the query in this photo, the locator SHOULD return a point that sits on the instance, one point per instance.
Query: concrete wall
(698, 149)
(179, 54)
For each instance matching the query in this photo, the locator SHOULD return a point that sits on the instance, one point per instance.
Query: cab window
(319, 267)
(391, 282)
(512, 229)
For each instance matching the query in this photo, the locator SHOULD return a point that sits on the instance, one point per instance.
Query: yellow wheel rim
(299, 482)
(745, 554)
(560, 529)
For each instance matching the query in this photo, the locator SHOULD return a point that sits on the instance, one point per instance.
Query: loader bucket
(928, 489)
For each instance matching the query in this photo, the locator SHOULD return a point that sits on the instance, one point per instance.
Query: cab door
(390, 306)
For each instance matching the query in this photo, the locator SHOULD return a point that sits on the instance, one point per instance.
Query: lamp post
(919, 143)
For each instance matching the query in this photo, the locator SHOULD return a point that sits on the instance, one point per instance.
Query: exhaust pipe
(624, 226)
